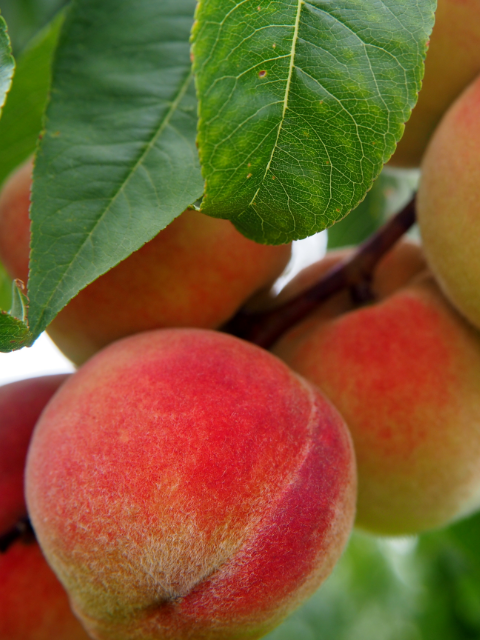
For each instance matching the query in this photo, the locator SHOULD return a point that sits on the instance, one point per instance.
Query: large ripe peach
(21, 404)
(186, 484)
(452, 62)
(33, 603)
(197, 272)
(449, 204)
(405, 374)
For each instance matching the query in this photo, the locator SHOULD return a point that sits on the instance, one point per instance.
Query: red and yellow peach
(186, 484)
(449, 204)
(404, 372)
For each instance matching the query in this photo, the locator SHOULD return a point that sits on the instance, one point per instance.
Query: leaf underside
(118, 160)
(300, 104)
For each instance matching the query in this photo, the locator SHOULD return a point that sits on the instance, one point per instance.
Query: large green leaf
(300, 105)
(22, 117)
(118, 159)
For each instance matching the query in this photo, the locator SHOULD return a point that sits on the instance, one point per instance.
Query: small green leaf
(5, 289)
(118, 160)
(14, 331)
(300, 104)
(21, 121)
(7, 63)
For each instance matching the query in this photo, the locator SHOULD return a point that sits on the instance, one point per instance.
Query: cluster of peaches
(186, 484)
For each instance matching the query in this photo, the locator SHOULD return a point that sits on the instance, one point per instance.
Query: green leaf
(14, 331)
(26, 17)
(5, 289)
(300, 104)
(21, 121)
(450, 561)
(7, 63)
(118, 160)
(390, 192)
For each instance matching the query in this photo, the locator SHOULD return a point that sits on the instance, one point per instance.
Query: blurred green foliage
(390, 192)
(22, 116)
(26, 17)
(5, 290)
(425, 588)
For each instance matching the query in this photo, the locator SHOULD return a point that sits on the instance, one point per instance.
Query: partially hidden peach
(186, 484)
(21, 404)
(197, 272)
(404, 372)
(449, 204)
(453, 61)
(33, 603)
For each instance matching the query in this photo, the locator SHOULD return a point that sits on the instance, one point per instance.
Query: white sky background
(43, 358)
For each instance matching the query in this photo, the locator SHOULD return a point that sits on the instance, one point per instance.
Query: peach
(33, 603)
(405, 373)
(449, 204)
(453, 61)
(196, 272)
(186, 484)
(21, 404)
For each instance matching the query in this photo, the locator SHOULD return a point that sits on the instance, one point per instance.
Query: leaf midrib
(162, 125)
(287, 93)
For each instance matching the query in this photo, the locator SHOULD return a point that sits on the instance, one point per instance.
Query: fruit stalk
(264, 329)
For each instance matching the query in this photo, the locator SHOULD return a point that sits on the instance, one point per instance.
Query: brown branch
(264, 329)
(22, 529)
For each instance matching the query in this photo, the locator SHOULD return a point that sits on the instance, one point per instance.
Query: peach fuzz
(449, 204)
(186, 484)
(197, 272)
(405, 373)
(453, 61)
(21, 404)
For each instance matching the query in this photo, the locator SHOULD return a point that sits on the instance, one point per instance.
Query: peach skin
(33, 603)
(197, 272)
(186, 484)
(453, 61)
(21, 404)
(404, 372)
(449, 204)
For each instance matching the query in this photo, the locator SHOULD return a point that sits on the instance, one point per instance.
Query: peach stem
(355, 273)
